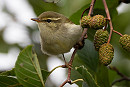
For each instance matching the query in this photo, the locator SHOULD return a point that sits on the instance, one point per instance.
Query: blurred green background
(17, 31)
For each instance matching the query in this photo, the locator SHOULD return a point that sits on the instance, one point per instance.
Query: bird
(57, 33)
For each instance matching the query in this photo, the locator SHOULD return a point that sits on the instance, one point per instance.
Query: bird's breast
(60, 41)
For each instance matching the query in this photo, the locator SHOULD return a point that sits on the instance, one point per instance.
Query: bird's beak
(36, 19)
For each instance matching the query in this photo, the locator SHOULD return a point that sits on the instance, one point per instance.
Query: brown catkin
(125, 42)
(85, 21)
(106, 54)
(100, 37)
(97, 22)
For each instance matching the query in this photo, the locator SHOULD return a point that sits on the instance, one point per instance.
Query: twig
(115, 69)
(118, 33)
(108, 17)
(91, 7)
(72, 57)
(119, 80)
(111, 30)
(84, 33)
(69, 69)
(76, 48)
(120, 74)
(106, 24)
(89, 14)
(84, 12)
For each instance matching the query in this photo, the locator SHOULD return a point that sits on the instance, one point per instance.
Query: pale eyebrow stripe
(52, 19)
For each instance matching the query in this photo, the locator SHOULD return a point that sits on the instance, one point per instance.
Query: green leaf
(39, 6)
(75, 17)
(121, 24)
(102, 76)
(89, 55)
(27, 69)
(98, 9)
(88, 78)
(74, 74)
(9, 82)
(45, 74)
(111, 4)
(85, 84)
(71, 7)
(51, 1)
(8, 73)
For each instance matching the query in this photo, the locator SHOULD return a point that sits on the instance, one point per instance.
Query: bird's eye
(48, 20)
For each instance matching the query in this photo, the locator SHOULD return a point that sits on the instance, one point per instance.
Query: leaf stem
(76, 80)
(117, 33)
(55, 68)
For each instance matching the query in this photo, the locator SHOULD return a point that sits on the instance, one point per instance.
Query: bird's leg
(64, 58)
(66, 64)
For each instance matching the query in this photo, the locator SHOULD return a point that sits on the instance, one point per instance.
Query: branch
(115, 69)
(84, 12)
(109, 18)
(111, 30)
(89, 14)
(72, 57)
(69, 69)
(119, 80)
(118, 33)
(91, 7)
(120, 74)
(84, 34)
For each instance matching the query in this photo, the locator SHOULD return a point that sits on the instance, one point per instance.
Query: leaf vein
(28, 70)
(29, 76)
(35, 68)
(25, 61)
(27, 82)
(4, 83)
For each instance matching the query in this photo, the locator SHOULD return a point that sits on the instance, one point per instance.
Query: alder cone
(97, 22)
(100, 37)
(125, 42)
(106, 54)
(85, 21)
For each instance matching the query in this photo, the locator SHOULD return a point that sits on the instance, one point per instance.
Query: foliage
(28, 72)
